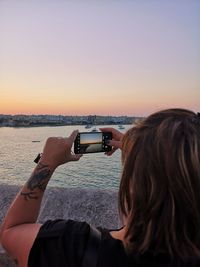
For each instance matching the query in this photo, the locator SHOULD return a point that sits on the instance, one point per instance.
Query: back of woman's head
(159, 195)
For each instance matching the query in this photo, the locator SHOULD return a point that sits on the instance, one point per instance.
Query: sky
(100, 57)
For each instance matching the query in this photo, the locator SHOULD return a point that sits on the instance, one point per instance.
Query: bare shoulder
(118, 234)
(25, 235)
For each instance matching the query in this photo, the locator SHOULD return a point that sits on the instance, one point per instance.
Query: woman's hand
(116, 141)
(57, 151)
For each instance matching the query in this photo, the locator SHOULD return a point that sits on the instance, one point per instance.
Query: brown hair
(159, 194)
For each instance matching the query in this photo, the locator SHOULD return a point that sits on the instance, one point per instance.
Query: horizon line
(22, 114)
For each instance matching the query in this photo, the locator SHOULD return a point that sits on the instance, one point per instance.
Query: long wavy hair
(159, 195)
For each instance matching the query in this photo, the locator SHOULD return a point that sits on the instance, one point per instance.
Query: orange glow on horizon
(33, 109)
(69, 108)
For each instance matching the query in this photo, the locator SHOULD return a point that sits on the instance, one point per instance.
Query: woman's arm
(19, 228)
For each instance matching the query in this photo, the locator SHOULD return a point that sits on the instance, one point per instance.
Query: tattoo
(29, 195)
(38, 180)
(39, 177)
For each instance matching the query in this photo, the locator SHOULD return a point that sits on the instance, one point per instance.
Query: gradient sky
(99, 57)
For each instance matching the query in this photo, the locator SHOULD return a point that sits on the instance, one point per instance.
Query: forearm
(26, 206)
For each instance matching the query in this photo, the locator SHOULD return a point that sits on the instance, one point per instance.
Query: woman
(159, 201)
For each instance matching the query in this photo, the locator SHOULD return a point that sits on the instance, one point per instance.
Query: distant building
(58, 120)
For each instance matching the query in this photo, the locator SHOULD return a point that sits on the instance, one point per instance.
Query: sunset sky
(100, 57)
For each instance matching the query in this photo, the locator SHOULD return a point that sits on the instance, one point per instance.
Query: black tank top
(62, 243)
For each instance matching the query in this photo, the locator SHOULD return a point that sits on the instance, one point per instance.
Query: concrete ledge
(5, 260)
(97, 207)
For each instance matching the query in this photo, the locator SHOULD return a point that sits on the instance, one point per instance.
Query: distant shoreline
(54, 125)
(27, 121)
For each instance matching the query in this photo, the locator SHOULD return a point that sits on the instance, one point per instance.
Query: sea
(20, 146)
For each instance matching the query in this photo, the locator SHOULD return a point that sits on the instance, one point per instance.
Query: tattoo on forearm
(39, 177)
(29, 195)
(38, 180)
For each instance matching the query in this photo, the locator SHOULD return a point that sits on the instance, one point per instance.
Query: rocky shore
(97, 207)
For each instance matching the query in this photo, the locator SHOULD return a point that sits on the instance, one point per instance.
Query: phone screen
(89, 142)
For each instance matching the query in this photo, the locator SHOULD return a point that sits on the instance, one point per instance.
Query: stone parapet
(97, 207)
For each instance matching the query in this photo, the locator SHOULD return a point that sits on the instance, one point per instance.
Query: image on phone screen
(89, 142)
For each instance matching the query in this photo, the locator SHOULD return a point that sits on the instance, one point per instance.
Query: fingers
(76, 157)
(111, 152)
(115, 144)
(108, 129)
(116, 134)
(73, 135)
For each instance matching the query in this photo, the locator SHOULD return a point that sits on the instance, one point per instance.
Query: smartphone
(92, 142)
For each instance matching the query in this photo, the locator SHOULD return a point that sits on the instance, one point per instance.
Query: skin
(116, 141)
(20, 221)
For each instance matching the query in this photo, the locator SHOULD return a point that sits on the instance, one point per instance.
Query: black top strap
(92, 248)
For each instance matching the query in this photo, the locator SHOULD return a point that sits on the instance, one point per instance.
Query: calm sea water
(17, 152)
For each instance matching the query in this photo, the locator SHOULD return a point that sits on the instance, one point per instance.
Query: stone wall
(97, 207)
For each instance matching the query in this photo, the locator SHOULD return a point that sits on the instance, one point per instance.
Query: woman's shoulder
(59, 243)
(68, 229)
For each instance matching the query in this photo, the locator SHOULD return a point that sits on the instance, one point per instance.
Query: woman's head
(159, 193)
